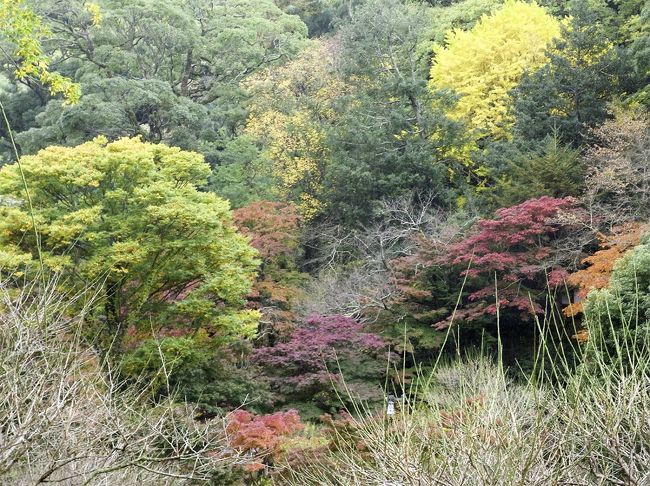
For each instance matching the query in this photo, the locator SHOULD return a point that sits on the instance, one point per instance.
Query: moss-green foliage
(129, 216)
(244, 174)
(168, 71)
(570, 93)
(391, 138)
(192, 368)
(550, 169)
(640, 50)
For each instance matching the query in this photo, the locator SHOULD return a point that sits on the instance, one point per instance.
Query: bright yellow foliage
(483, 64)
(295, 145)
(292, 102)
(22, 27)
(95, 13)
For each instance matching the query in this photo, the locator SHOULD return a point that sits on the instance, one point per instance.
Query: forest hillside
(325, 242)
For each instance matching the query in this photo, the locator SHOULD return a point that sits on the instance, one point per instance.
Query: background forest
(232, 231)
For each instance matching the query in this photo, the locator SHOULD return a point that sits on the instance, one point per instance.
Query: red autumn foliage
(262, 434)
(516, 246)
(307, 363)
(274, 230)
(514, 243)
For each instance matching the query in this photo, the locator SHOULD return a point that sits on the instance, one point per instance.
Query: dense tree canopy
(391, 138)
(483, 64)
(569, 93)
(129, 214)
(167, 72)
(24, 33)
(292, 108)
(416, 177)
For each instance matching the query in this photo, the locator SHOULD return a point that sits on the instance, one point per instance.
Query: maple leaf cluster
(274, 231)
(271, 226)
(262, 435)
(308, 362)
(250, 432)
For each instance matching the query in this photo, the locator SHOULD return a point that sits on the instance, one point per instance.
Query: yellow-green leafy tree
(484, 64)
(128, 218)
(23, 30)
(292, 106)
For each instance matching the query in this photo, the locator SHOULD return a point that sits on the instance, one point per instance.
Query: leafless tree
(66, 419)
(618, 181)
(357, 272)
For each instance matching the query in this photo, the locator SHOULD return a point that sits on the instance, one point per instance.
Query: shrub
(307, 370)
(65, 417)
(618, 316)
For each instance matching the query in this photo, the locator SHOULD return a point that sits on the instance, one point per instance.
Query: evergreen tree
(570, 93)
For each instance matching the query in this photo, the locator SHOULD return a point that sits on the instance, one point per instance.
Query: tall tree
(640, 52)
(483, 64)
(292, 108)
(167, 72)
(570, 93)
(389, 139)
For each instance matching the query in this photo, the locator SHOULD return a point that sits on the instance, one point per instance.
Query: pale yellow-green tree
(484, 64)
(23, 30)
(292, 105)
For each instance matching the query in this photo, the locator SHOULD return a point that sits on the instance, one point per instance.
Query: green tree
(24, 33)
(129, 215)
(321, 16)
(462, 15)
(390, 138)
(550, 169)
(166, 71)
(618, 317)
(244, 174)
(571, 92)
(640, 52)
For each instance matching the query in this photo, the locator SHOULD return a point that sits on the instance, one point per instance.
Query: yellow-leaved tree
(292, 106)
(483, 64)
(23, 30)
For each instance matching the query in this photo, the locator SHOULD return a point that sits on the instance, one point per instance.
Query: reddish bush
(258, 433)
(273, 227)
(262, 435)
(307, 364)
(517, 247)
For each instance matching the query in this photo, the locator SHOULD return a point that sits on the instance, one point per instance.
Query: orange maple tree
(601, 264)
(274, 231)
